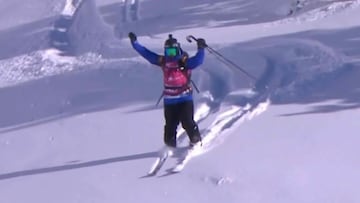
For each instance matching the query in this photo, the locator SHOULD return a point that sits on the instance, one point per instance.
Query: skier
(178, 101)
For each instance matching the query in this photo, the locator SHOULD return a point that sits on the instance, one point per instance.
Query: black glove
(201, 43)
(132, 37)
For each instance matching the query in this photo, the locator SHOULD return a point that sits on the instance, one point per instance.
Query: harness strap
(187, 74)
(173, 91)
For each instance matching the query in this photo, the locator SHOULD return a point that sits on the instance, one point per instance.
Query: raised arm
(196, 60)
(150, 56)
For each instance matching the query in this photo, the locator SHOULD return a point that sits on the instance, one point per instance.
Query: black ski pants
(180, 113)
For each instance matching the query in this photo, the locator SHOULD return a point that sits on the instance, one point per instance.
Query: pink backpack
(176, 76)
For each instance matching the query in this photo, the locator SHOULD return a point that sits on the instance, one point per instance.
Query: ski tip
(178, 168)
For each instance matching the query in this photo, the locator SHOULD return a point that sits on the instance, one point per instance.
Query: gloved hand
(201, 43)
(132, 37)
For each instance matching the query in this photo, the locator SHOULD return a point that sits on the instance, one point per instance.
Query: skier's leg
(188, 123)
(171, 122)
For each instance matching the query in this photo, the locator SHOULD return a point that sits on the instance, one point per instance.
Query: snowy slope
(79, 123)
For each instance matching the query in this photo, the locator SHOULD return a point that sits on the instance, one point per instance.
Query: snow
(78, 117)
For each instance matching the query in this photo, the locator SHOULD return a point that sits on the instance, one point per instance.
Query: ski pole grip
(190, 38)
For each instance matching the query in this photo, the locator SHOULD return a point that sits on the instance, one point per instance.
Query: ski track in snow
(227, 121)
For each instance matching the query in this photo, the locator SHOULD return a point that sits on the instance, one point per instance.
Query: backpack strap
(182, 61)
(184, 69)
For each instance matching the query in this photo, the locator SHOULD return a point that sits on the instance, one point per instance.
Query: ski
(184, 160)
(159, 162)
(164, 154)
(181, 164)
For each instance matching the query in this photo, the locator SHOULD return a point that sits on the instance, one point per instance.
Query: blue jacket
(191, 63)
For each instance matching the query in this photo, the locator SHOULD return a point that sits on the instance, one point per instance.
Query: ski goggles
(170, 51)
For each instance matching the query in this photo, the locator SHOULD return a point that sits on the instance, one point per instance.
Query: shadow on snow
(54, 169)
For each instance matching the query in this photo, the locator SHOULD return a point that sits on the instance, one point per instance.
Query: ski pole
(195, 87)
(223, 59)
(158, 101)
